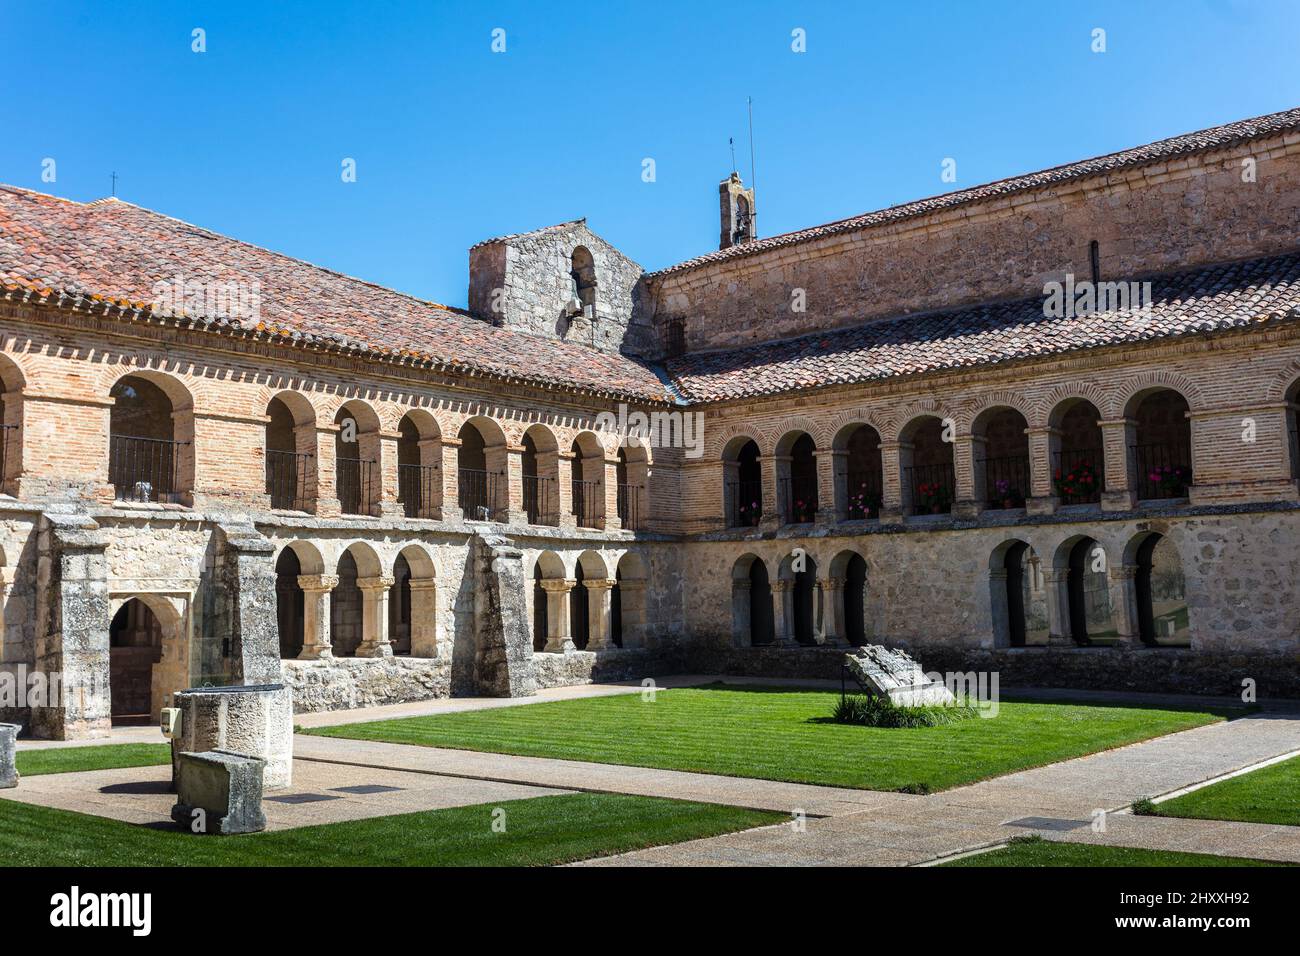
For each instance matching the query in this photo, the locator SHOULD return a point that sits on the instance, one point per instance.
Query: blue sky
(454, 143)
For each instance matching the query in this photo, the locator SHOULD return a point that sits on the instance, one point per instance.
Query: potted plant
(1009, 495)
(1079, 482)
(933, 497)
(1171, 480)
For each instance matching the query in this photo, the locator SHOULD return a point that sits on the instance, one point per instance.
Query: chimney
(736, 204)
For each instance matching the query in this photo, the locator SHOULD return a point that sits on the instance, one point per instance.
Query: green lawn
(1268, 795)
(538, 832)
(1035, 851)
(781, 734)
(31, 763)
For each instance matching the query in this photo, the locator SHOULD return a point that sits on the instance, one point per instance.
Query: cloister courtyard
(696, 771)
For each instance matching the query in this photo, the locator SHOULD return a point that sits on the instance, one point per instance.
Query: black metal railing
(417, 488)
(355, 482)
(629, 506)
(798, 498)
(8, 433)
(144, 469)
(1163, 470)
(1006, 481)
(286, 479)
(1079, 476)
(744, 503)
(477, 493)
(586, 502)
(539, 499)
(864, 492)
(932, 488)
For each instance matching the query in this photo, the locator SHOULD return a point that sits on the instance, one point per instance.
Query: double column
(317, 644)
(559, 638)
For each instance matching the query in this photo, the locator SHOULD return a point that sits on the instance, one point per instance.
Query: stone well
(253, 720)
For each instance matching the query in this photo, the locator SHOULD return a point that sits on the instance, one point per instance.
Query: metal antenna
(753, 176)
(114, 183)
(732, 141)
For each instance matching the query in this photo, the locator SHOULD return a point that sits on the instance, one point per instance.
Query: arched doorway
(862, 481)
(1162, 450)
(399, 607)
(762, 624)
(1024, 621)
(579, 610)
(1002, 458)
(797, 478)
(1161, 594)
(1088, 594)
(855, 598)
(150, 447)
(346, 609)
(289, 604)
(290, 452)
(539, 611)
(135, 638)
(1078, 459)
(356, 458)
(926, 461)
(11, 422)
(742, 484)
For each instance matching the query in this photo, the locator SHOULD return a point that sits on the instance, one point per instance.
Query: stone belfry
(736, 204)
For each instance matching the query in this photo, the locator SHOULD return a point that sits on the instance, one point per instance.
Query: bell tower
(736, 204)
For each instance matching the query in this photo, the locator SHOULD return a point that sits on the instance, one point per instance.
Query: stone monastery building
(224, 465)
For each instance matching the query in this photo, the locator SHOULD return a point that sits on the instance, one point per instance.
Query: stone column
(548, 467)
(316, 590)
(245, 581)
(833, 622)
(1000, 616)
(968, 475)
(896, 500)
(431, 457)
(599, 592)
(1122, 580)
(386, 503)
(451, 479)
(6, 582)
(558, 639)
(322, 484)
(1044, 447)
(374, 616)
(564, 490)
(830, 468)
(424, 617)
(783, 612)
(609, 520)
(773, 511)
(1058, 607)
(512, 496)
(1121, 470)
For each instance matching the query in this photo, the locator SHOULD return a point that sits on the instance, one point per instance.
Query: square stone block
(226, 787)
(8, 748)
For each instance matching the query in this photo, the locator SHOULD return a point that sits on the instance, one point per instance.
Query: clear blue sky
(455, 143)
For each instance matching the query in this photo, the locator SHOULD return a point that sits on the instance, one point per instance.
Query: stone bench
(219, 792)
(8, 748)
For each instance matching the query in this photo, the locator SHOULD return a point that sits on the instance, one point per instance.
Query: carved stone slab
(895, 674)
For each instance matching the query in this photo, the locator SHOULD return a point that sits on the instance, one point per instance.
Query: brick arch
(1283, 383)
(1102, 399)
(801, 423)
(921, 408)
(14, 376)
(973, 409)
(719, 438)
(839, 425)
(1153, 380)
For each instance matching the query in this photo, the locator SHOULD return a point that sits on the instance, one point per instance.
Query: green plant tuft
(1143, 807)
(869, 711)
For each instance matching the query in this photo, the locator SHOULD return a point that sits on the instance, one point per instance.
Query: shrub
(1143, 807)
(870, 711)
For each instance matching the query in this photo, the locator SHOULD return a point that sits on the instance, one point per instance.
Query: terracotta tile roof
(1211, 299)
(1162, 150)
(108, 255)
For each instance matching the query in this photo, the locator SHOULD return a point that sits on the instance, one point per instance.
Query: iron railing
(477, 493)
(629, 506)
(144, 469)
(539, 499)
(417, 489)
(799, 498)
(286, 479)
(355, 479)
(932, 488)
(863, 494)
(744, 503)
(1079, 476)
(8, 433)
(586, 502)
(1163, 470)
(1006, 481)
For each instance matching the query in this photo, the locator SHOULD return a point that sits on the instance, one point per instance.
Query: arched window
(1161, 594)
(859, 478)
(587, 485)
(628, 602)
(289, 604)
(797, 478)
(742, 484)
(11, 422)
(1001, 458)
(1019, 593)
(540, 466)
(1162, 452)
(481, 470)
(1088, 594)
(582, 273)
(290, 452)
(399, 608)
(346, 612)
(1292, 427)
(151, 430)
(579, 611)
(356, 459)
(419, 465)
(855, 598)
(753, 620)
(799, 599)
(539, 611)
(927, 473)
(1078, 458)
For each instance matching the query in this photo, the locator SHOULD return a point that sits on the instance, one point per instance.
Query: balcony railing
(1079, 476)
(539, 499)
(1163, 470)
(629, 506)
(799, 498)
(8, 433)
(863, 495)
(477, 493)
(144, 469)
(586, 502)
(355, 478)
(1006, 481)
(932, 488)
(744, 503)
(417, 487)
(286, 479)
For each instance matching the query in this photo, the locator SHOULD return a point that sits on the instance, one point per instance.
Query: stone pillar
(548, 467)
(1058, 607)
(599, 592)
(322, 485)
(1123, 602)
(431, 457)
(72, 628)
(968, 475)
(896, 500)
(246, 586)
(1000, 616)
(424, 617)
(386, 503)
(374, 616)
(773, 510)
(316, 589)
(609, 520)
(558, 638)
(451, 479)
(833, 623)
(830, 465)
(564, 490)
(633, 611)
(783, 612)
(1044, 448)
(512, 496)
(1117, 436)
(503, 655)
